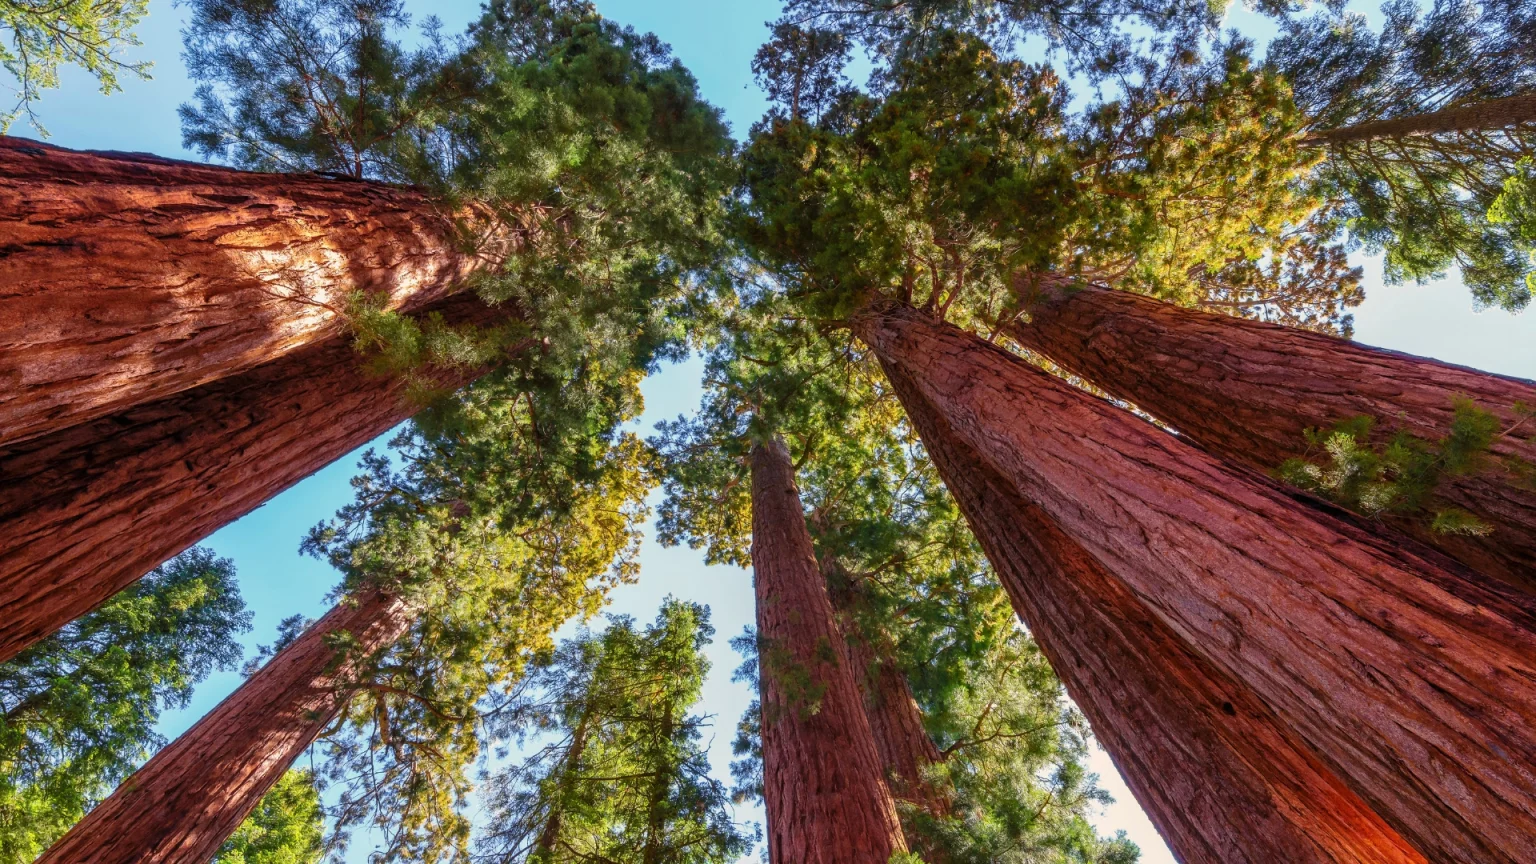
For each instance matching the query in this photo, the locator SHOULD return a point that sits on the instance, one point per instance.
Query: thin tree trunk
(661, 784)
(186, 801)
(906, 749)
(87, 512)
(827, 802)
(126, 278)
(1212, 767)
(1247, 391)
(1407, 674)
(549, 838)
(1479, 116)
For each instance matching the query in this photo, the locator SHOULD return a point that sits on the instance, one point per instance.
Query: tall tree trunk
(86, 512)
(905, 747)
(1479, 116)
(1247, 391)
(827, 802)
(186, 801)
(1214, 769)
(129, 278)
(1407, 674)
(549, 838)
(661, 784)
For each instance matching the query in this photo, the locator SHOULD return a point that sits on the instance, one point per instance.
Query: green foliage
(1514, 211)
(1397, 476)
(967, 180)
(38, 36)
(616, 768)
(80, 707)
(286, 827)
(1422, 200)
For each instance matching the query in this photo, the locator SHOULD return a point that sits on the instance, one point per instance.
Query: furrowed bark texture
(1209, 763)
(1247, 391)
(186, 801)
(905, 747)
(1407, 674)
(1491, 114)
(86, 512)
(126, 278)
(827, 802)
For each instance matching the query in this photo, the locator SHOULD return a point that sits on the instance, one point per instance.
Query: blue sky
(716, 40)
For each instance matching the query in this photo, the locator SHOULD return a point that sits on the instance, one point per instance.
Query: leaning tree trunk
(1214, 769)
(86, 512)
(906, 749)
(1483, 116)
(186, 801)
(1247, 391)
(128, 278)
(822, 787)
(1407, 674)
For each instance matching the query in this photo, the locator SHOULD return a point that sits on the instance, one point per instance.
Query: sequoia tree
(78, 709)
(1281, 595)
(823, 785)
(1249, 391)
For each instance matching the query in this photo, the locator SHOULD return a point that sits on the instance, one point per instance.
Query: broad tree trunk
(1480, 116)
(126, 278)
(86, 512)
(1247, 391)
(827, 802)
(186, 801)
(1214, 769)
(1407, 674)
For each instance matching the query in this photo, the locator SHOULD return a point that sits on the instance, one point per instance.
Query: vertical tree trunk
(906, 750)
(186, 801)
(1212, 767)
(826, 800)
(1479, 116)
(1247, 391)
(86, 512)
(549, 838)
(1408, 675)
(661, 785)
(128, 278)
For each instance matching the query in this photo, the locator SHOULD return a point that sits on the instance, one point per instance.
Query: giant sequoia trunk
(826, 800)
(86, 512)
(126, 278)
(1488, 115)
(1407, 674)
(906, 749)
(186, 801)
(1247, 391)
(1213, 768)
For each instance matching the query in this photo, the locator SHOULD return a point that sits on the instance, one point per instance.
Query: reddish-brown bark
(126, 278)
(186, 801)
(1407, 674)
(1479, 116)
(827, 802)
(1247, 391)
(905, 747)
(87, 511)
(1212, 767)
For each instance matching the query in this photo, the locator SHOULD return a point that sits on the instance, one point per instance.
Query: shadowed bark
(127, 278)
(186, 801)
(823, 788)
(86, 512)
(1408, 675)
(1212, 767)
(1479, 116)
(1247, 391)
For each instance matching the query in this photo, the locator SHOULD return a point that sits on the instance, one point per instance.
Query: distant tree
(39, 36)
(618, 772)
(1423, 123)
(81, 707)
(287, 827)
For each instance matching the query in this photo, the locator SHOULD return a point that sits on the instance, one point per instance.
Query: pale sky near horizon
(716, 41)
